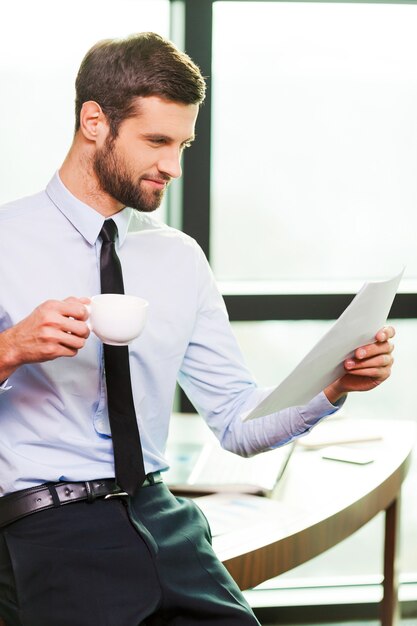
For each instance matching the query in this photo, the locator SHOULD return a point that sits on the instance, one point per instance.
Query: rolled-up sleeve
(222, 389)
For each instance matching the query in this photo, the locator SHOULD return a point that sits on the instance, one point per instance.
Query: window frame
(196, 189)
(197, 31)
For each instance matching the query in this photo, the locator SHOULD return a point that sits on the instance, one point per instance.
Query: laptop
(203, 468)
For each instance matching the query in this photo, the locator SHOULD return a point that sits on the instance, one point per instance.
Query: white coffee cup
(116, 318)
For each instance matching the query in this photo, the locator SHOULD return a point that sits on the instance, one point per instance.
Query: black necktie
(128, 459)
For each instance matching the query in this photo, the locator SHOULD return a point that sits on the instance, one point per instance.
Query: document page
(357, 326)
(232, 512)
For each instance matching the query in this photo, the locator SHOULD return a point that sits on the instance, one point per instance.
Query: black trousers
(117, 562)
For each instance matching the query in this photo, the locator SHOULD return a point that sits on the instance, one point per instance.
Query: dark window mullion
(256, 308)
(196, 178)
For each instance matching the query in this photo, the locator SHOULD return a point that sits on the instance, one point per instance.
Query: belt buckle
(115, 495)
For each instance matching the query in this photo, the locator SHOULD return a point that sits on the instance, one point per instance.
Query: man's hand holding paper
(352, 356)
(368, 368)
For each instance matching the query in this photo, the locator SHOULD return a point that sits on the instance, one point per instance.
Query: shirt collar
(83, 217)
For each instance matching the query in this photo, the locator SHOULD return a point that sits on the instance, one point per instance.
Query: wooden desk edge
(254, 567)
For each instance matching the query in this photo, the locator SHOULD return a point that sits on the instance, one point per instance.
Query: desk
(320, 503)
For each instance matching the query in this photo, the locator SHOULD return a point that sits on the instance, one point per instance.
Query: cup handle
(88, 321)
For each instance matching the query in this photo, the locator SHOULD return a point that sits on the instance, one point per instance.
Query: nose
(170, 164)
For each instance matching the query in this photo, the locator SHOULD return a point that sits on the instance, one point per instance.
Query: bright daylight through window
(314, 190)
(37, 70)
(314, 135)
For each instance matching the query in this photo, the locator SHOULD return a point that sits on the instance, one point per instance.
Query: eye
(158, 141)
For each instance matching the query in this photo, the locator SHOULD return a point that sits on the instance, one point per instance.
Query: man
(75, 550)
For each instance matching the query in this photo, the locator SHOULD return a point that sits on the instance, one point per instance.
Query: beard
(115, 179)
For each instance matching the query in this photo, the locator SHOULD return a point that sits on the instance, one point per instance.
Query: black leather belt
(50, 495)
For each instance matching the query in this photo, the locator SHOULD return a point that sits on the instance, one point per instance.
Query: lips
(158, 183)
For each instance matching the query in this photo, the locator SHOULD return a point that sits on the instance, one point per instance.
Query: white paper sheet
(357, 326)
(233, 512)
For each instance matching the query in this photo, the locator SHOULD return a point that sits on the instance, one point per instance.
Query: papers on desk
(339, 431)
(357, 325)
(196, 469)
(229, 512)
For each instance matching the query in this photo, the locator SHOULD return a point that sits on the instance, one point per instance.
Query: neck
(78, 176)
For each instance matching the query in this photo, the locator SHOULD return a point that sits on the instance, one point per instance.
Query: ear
(93, 122)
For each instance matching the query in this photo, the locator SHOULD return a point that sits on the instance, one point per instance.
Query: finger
(388, 332)
(71, 342)
(373, 373)
(372, 349)
(75, 327)
(382, 360)
(52, 309)
(382, 338)
(52, 343)
(82, 299)
(74, 307)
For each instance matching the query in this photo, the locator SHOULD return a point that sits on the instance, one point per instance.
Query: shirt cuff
(318, 408)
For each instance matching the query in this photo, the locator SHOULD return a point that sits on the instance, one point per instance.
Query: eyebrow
(153, 136)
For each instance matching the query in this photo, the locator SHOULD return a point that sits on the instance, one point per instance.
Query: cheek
(139, 161)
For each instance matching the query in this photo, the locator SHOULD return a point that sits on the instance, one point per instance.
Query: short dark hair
(114, 72)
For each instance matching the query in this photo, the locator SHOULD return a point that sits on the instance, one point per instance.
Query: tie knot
(108, 232)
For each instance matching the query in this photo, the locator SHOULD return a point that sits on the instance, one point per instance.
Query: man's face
(136, 167)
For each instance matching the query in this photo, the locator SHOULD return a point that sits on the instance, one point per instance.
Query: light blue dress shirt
(53, 416)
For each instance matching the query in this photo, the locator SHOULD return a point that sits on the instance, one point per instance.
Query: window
(42, 44)
(310, 190)
(313, 142)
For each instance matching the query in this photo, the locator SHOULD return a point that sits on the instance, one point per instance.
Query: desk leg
(389, 607)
